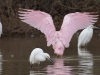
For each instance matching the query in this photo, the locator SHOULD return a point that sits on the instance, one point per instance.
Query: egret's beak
(96, 27)
(50, 60)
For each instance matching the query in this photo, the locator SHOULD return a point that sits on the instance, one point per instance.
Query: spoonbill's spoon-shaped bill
(72, 22)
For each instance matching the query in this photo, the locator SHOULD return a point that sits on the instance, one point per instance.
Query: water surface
(15, 51)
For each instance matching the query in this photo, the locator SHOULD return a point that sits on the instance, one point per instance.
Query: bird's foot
(58, 56)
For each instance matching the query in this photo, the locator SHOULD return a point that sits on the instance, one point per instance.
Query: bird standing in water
(0, 28)
(72, 22)
(86, 35)
(37, 56)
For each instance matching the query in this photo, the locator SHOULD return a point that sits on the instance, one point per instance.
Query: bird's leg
(31, 66)
(85, 45)
(61, 56)
(38, 65)
(57, 56)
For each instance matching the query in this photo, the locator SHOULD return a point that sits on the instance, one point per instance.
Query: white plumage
(37, 56)
(0, 29)
(85, 36)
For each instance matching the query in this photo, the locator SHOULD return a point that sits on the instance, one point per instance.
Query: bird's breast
(40, 58)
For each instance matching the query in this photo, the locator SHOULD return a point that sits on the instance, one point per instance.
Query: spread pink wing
(40, 20)
(73, 22)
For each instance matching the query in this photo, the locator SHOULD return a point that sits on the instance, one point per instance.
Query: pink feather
(58, 39)
(73, 22)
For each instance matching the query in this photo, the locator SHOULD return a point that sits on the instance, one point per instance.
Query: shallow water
(15, 51)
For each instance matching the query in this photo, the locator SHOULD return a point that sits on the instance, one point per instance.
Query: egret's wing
(85, 36)
(40, 20)
(73, 22)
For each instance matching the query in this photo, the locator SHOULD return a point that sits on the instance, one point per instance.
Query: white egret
(37, 56)
(86, 35)
(0, 29)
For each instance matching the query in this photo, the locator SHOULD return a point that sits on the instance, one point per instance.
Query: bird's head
(91, 26)
(59, 51)
(48, 57)
(95, 27)
(58, 48)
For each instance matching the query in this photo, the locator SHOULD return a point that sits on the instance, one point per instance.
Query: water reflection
(15, 55)
(85, 62)
(0, 62)
(32, 73)
(38, 72)
(58, 68)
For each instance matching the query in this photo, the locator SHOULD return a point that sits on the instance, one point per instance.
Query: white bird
(0, 29)
(86, 35)
(37, 56)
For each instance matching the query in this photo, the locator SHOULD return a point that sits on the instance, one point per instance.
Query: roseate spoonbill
(37, 56)
(0, 29)
(86, 35)
(58, 39)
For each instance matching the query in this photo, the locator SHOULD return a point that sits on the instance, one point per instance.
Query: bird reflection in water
(0, 62)
(58, 68)
(37, 72)
(85, 62)
(32, 73)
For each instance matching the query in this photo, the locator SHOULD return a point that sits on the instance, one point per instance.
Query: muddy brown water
(15, 51)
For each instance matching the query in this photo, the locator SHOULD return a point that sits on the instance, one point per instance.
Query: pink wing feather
(40, 20)
(73, 22)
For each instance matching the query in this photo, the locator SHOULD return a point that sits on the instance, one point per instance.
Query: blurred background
(12, 26)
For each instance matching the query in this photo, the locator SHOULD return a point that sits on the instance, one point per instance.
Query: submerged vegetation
(56, 8)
